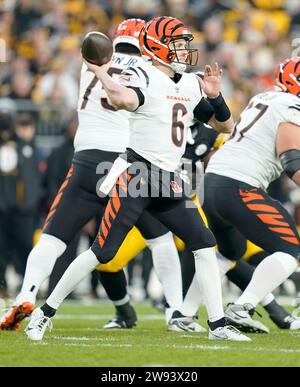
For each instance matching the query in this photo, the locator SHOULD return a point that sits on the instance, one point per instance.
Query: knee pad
(54, 242)
(233, 253)
(166, 238)
(205, 240)
(289, 263)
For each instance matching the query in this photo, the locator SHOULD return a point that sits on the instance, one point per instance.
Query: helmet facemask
(176, 63)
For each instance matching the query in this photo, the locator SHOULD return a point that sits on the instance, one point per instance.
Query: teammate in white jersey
(163, 101)
(102, 134)
(265, 142)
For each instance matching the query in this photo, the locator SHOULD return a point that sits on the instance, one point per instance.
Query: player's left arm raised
(221, 118)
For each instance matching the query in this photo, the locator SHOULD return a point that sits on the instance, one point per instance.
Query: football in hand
(97, 48)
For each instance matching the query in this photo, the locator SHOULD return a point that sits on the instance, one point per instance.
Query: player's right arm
(288, 149)
(120, 97)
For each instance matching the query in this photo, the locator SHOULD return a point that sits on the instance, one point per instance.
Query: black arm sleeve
(204, 111)
(222, 112)
(140, 95)
(290, 161)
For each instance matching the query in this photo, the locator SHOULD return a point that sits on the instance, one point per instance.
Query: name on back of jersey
(123, 61)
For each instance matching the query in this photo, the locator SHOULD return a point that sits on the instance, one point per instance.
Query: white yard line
(100, 316)
(137, 346)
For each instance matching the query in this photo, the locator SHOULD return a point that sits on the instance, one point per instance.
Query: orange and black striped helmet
(156, 36)
(287, 76)
(128, 32)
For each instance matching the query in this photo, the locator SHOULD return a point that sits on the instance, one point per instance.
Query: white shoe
(294, 322)
(38, 324)
(182, 323)
(227, 332)
(239, 316)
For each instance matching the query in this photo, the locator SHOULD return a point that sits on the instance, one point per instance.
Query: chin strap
(178, 68)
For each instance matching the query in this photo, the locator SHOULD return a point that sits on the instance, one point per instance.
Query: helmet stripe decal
(176, 27)
(165, 26)
(296, 66)
(158, 23)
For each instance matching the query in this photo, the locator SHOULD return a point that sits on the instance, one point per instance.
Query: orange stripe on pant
(262, 207)
(248, 196)
(272, 219)
(103, 230)
(291, 240)
(112, 209)
(58, 197)
(283, 230)
(122, 183)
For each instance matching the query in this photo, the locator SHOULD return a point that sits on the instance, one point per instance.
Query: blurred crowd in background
(39, 82)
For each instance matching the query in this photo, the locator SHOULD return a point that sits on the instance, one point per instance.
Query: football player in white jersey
(265, 143)
(208, 141)
(164, 101)
(101, 135)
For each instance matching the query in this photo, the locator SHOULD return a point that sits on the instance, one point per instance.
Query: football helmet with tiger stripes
(128, 32)
(287, 76)
(158, 38)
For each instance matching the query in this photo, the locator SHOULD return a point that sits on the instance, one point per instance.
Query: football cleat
(227, 332)
(281, 317)
(125, 318)
(11, 321)
(118, 323)
(38, 324)
(240, 317)
(292, 322)
(181, 323)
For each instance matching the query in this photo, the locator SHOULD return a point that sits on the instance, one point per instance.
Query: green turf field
(77, 339)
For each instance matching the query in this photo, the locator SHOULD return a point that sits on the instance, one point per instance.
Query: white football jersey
(100, 126)
(158, 128)
(250, 155)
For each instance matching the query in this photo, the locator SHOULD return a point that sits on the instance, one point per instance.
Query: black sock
(127, 313)
(296, 278)
(256, 259)
(217, 324)
(115, 284)
(177, 314)
(48, 311)
(241, 274)
(126, 310)
(277, 314)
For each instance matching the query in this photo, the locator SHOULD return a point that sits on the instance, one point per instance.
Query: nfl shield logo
(175, 187)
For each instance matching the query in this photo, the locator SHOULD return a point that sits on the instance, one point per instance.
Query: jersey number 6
(178, 126)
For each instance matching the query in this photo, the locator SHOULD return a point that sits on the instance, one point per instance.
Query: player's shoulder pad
(288, 107)
(294, 103)
(286, 101)
(135, 77)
